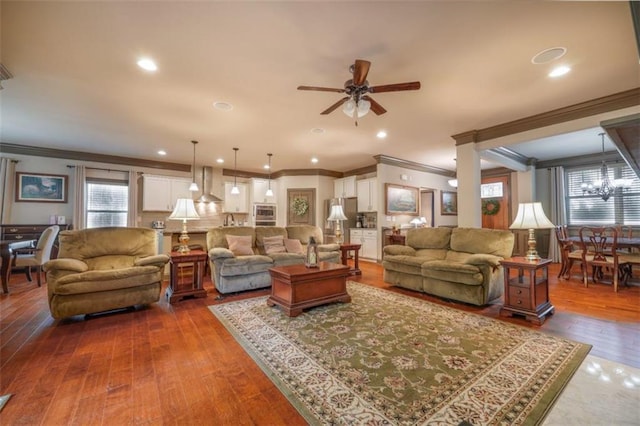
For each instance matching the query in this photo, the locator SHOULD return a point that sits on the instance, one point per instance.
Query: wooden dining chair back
(566, 246)
(599, 250)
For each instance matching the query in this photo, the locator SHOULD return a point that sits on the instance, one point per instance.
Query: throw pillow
(293, 246)
(240, 245)
(274, 244)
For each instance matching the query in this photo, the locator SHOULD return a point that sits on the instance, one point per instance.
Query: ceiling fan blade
(414, 85)
(334, 106)
(320, 89)
(360, 71)
(375, 107)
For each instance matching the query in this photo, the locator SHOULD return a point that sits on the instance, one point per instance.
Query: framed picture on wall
(448, 203)
(41, 188)
(401, 199)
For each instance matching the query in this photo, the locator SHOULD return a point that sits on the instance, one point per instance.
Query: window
(107, 203)
(622, 208)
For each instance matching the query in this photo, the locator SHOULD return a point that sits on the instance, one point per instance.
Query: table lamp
(531, 216)
(185, 210)
(337, 215)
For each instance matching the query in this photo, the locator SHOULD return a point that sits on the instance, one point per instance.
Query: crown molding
(596, 106)
(281, 173)
(35, 151)
(392, 161)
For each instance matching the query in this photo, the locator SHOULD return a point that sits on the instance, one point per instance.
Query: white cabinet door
(259, 191)
(369, 244)
(367, 195)
(159, 193)
(236, 203)
(355, 236)
(344, 187)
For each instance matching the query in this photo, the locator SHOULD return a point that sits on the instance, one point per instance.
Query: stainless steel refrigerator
(350, 208)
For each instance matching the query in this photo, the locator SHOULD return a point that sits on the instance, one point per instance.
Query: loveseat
(245, 266)
(102, 269)
(461, 264)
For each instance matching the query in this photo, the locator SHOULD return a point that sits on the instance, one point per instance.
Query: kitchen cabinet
(236, 203)
(367, 193)
(259, 190)
(344, 187)
(159, 193)
(368, 239)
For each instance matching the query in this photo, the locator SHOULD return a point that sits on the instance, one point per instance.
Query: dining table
(6, 250)
(623, 242)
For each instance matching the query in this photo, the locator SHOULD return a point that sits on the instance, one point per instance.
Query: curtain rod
(71, 166)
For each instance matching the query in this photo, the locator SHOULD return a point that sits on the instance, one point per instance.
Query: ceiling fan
(357, 103)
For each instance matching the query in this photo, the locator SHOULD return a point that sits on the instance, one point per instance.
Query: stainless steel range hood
(207, 187)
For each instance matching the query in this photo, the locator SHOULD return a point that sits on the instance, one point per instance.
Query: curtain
(79, 195)
(132, 216)
(558, 210)
(7, 176)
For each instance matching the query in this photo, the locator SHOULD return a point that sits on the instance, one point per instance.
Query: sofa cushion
(402, 263)
(453, 272)
(283, 259)
(240, 245)
(217, 237)
(274, 244)
(431, 254)
(479, 240)
(244, 265)
(263, 232)
(428, 238)
(303, 232)
(106, 280)
(293, 246)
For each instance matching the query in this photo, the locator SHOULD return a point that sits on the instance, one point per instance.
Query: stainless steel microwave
(264, 214)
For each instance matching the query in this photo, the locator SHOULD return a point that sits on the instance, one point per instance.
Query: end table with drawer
(527, 293)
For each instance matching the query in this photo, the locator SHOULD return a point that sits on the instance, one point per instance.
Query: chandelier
(604, 188)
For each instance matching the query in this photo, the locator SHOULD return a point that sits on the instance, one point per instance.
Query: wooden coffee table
(296, 287)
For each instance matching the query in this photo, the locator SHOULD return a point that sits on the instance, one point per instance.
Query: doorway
(426, 205)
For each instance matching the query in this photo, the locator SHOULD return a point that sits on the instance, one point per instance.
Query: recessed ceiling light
(559, 71)
(162, 152)
(548, 55)
(220, 160)
(147, 64)
(317, 130)
(381, 134)
(222, 106)
(314, 160)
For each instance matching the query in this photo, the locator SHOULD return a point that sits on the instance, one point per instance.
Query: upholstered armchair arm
(328, 247)
(66, 264)
(484, 259)
(159, 260)
(220, 253)
(395, 250)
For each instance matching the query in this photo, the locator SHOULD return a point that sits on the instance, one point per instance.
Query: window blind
(590, 209)
(107, 203)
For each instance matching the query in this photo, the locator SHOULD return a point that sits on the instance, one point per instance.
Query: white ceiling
(76, 84)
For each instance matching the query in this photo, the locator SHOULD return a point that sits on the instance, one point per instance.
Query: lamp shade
(337, 213)
(184, 210)
(531, 216)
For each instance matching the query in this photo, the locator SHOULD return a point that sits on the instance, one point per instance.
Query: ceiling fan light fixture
(349, 107)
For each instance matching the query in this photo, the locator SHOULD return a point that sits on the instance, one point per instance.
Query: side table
(527, 293)
(345, 249)
(187, 271)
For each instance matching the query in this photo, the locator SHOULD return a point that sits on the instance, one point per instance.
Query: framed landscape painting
(401, 199)
(448, 203)
(37, 187)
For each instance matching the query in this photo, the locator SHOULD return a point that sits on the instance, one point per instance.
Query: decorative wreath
(490, 207)
(300, 206)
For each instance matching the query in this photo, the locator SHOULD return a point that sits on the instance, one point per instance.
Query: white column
(469, 179)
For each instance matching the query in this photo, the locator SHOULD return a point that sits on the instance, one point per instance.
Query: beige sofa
(232, 273)
(460, 264)
(102, 269)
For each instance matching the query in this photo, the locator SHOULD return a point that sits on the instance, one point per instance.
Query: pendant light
(235, 190)
(269, 192)
(194, 186)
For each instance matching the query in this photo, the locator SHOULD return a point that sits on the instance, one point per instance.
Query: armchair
(102, 269)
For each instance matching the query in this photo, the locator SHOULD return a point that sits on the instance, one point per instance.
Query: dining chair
(599, 250)
(38, 255)
(566, 249)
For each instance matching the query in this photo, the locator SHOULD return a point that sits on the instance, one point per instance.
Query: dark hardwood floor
(176, 364)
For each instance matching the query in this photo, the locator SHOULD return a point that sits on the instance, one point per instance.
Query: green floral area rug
(387, 358)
